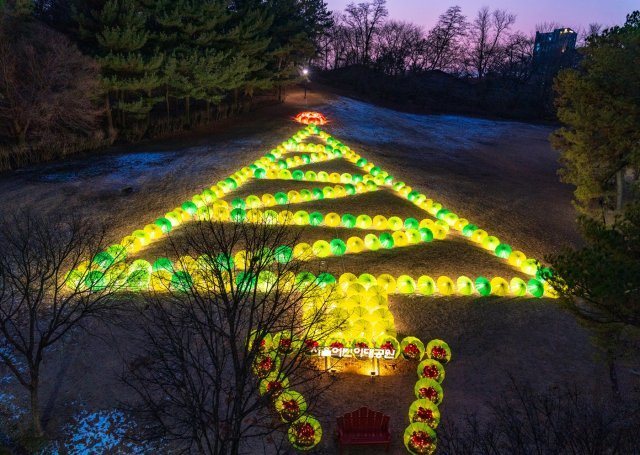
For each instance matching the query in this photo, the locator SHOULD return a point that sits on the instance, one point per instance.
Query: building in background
(555, 46)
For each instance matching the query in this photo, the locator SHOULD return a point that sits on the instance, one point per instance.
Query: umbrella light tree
(243, 294)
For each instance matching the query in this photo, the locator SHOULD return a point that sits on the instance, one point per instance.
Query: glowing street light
(305, 73)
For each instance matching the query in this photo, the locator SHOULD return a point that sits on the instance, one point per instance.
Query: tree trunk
(619, 188)
(107, 103)
(36, 423)
(613, 376)
(187, 109)
(166, 100)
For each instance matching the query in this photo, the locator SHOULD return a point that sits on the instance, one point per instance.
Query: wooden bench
(364, 427)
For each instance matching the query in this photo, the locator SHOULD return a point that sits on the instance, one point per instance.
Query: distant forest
(480, 64)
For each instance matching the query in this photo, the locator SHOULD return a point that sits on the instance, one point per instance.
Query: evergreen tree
(116, 33)
(203, 66)
(600, 106)
(291, 45)
(600, 282)
(250, 36)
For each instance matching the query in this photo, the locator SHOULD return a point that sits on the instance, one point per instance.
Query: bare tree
(398, 47)
(563, 420)
(47, 87)
(40, 302)
(364, 19)
(486, 40)
(547, 27)
(221, 331)
(516, 63)
(443, 48)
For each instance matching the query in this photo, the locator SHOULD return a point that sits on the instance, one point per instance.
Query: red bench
(364, 427)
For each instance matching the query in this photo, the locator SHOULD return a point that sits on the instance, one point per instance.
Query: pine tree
(291, 44)
(600, 106)
(203, 65)
(250, 37)
(116, 33)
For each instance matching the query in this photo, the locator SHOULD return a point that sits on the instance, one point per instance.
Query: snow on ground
(362, 121)
(102, 432)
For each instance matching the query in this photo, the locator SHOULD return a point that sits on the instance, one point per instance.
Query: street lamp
(305, 73)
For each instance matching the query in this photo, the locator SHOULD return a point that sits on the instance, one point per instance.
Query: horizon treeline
(144, 67)
(476, 63)
(477, 46)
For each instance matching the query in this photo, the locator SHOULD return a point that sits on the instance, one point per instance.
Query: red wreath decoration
(420, 442)
(290, 410)
(411, 351)
(305, 434)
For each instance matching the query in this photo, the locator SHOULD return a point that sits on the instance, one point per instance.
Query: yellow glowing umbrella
(346, 279)
(426, 285)
(445, 285)
(400, 238)
(160, 280)
(321, 248)
(499, 286)
(301, 218)
(529, 266)
(405, 284)
(284, 174)
(380, 222)
(464, 285)
(332, 219)
(355, 245)
(367, 280)
(490, 243)
(285, 217)
(372, 242)
(413, 236)
(395, 223)
(268, 200)
(517, 258)
(303, 251)
(387, 282)
(517, 287)
(479, 235)
(355, 288)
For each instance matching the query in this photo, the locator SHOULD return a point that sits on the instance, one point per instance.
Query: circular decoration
(426, 285)
(264, 365)
(420, 439)
(305, 433)
(429, 389)
(439, 350)
(535, 288)
(285, 343)
(389, 343)
(274, 385)
(431, 369)
(311, 118)
(424, 411)
(412, 348)
(290, 405)
(483, 286)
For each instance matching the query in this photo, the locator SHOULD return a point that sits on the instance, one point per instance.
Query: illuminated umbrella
(420, 439)
(424, 411)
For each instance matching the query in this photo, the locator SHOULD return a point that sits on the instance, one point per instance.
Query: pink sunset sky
(569, 13)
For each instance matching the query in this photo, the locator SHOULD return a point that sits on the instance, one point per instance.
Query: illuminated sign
(361, 353)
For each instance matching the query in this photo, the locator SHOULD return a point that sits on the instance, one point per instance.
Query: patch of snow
(356, 120)
(102, 432)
